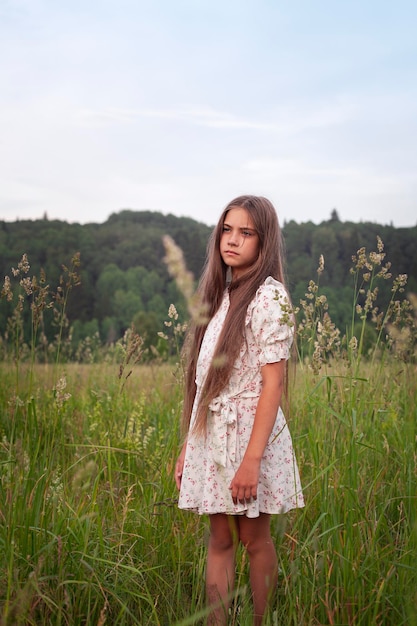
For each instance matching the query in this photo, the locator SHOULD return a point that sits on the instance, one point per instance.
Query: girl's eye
(247, 233)
(226, 229)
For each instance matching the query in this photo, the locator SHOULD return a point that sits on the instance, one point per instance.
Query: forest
(124, 280)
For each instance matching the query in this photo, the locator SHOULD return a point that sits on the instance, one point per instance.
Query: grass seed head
(6, 291)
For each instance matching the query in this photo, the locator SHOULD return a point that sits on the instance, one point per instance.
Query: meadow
(90, 532)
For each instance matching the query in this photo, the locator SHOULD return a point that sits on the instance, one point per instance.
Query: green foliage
(348, 558)
(123, 275)
(373, 329)
(82, 473)
(89, 529)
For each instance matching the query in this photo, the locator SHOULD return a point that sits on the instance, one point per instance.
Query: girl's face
(239, 242)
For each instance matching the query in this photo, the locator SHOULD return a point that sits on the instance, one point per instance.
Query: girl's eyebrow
(240, 227)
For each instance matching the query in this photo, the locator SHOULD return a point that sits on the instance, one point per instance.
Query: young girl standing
(237, 463)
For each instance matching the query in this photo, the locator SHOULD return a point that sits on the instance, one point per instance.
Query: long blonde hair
(270, 262)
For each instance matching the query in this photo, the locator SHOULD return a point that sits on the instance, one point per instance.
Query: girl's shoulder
(271, 289)
(271, 298)
(270, 319)
(270, 282)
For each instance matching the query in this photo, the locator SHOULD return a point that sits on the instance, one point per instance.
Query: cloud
(179, 108)
(285, 120)
(298, 174)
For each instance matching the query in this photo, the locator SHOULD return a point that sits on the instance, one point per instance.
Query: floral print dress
(212, 461)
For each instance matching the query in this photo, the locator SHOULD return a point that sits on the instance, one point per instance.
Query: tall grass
(89, 528)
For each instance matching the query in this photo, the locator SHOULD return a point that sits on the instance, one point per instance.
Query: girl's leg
(221, 566)
(255, 535)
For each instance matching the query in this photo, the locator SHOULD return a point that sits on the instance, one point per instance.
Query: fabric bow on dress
(223, 432)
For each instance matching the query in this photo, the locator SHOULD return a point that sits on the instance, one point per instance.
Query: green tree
(126, 305)
(110, 280)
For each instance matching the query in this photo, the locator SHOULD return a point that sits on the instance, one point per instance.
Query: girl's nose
(233, 238)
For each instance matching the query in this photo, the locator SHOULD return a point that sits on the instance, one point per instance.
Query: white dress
(212, 461)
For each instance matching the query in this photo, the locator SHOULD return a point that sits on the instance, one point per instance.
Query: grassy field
(90, 532)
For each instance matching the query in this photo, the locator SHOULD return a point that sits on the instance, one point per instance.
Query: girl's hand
(244, 485)
(179, 466)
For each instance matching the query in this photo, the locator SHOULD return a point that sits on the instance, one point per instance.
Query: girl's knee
(223, 533)
(256, 545)
(222, 540)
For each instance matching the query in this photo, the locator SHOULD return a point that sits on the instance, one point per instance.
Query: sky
(179, 106)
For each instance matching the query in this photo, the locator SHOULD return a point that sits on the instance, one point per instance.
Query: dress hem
(248, 513)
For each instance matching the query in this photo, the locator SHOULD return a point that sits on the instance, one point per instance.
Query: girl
(237, 463)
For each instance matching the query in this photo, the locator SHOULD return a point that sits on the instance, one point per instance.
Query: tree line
(124, 279)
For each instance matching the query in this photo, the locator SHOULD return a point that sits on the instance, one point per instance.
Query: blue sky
(179, 106)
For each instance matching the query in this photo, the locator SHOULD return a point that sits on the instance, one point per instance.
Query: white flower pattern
(212, 461)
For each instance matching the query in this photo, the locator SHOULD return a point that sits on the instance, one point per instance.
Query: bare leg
(255, 535)
(220, 573)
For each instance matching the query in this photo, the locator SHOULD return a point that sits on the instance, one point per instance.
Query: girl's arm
(245, 482)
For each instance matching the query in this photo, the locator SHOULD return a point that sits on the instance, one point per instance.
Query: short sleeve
(271, 321)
